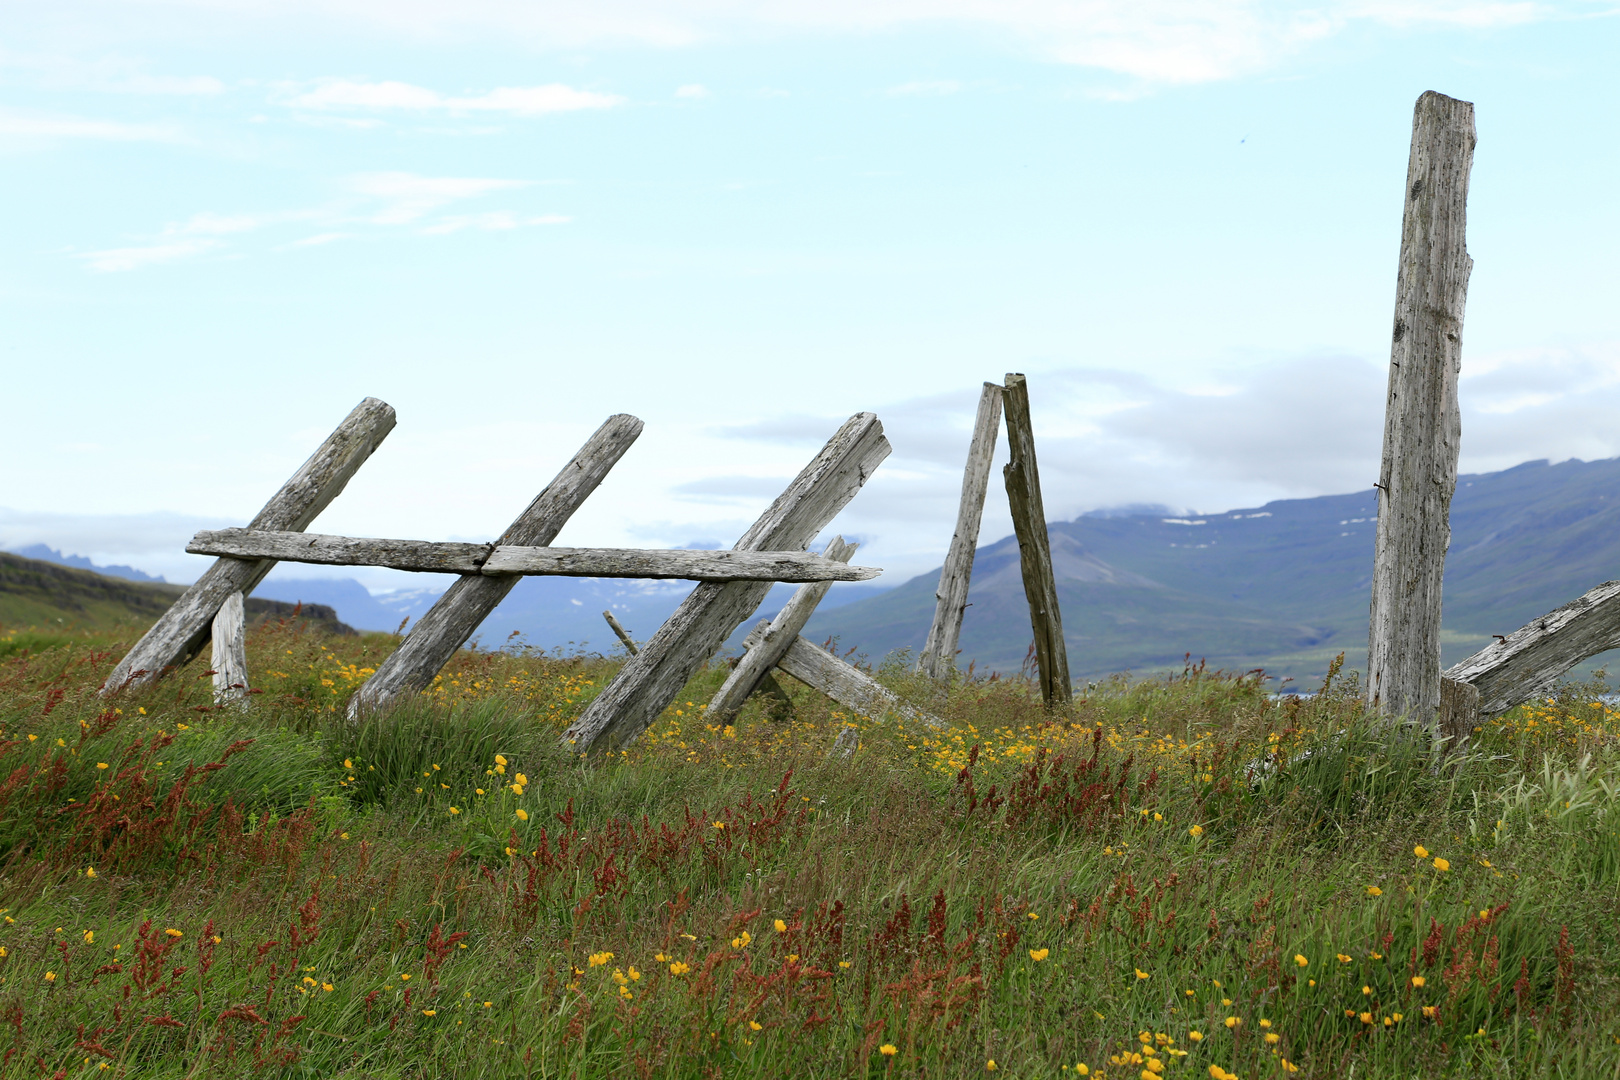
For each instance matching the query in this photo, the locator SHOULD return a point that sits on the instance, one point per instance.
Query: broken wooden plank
(437, 635)
(230, 652)
(848, 685)
(1023, 480)
(756, 663)
(1528, 661)
(491, 559)
(624, 635)
(649, 681)
(1422, 423)
(938, 657)
(179, 634)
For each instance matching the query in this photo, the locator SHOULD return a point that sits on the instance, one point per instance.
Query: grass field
(1172, 878)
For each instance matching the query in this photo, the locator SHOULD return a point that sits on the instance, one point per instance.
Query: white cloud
(692, 90)
(516, 100)
(936, 88)
(315, 241)
(406, 197)
(114, 260)
(386, 200)
(495, 221)
(24, 124)
(1157, 41)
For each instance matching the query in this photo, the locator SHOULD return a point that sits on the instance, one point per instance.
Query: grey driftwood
(1422, 424)
(1529, 660)
(230, 651)
(469, 600)
(1023, 480)
(848, 685)
(649, 681)
(492, 559)
(755, 664)
(938, 657)
(180, 632)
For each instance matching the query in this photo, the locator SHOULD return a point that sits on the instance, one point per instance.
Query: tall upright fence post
(1422, 424)
(1023, 481)
(938, 658)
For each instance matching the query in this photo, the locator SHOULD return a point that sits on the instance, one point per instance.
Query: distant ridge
(1283, 586)
(49, 554)
(35, 593)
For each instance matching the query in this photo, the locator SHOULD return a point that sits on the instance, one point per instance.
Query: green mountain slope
(1283, 586)
(38, 594)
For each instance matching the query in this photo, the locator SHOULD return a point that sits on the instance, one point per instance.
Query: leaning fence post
(179, 633)
(1023, 481)
(230, 652)
(621, 632)
(649, 681)
(754, 666)
(938, 657)
(453, 618)
(1422, 423)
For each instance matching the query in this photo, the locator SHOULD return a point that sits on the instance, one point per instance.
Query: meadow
(1173, 877)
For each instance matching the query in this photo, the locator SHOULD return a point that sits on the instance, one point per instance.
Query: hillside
(1283, 586)
(39, 594)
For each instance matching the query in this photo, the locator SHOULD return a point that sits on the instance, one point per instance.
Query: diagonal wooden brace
(1529, 660)
(179, 634)
(650, 680)
(848, 685)
(451, 621)
(755, 664)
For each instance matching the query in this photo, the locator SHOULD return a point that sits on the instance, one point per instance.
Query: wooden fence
(1418, 474)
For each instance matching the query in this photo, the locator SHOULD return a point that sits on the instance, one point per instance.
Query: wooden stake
(437, 635)
(1422, 424)
(230, 652)
(1023, 480)
(650, 680)
(938, 657)
(624, 635)
(180, 632)
(755, 664)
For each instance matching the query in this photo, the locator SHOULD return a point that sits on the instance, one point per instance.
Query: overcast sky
(230, 220)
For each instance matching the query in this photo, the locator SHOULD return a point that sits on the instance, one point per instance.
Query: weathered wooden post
(1023, 481)
(1422, 424)
(754, 666)
(450, 622)
(179, 634)
(649, 681)
(622, 634)
(938, 657)
(230, 652)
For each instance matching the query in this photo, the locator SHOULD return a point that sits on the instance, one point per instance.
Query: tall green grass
(442, 891)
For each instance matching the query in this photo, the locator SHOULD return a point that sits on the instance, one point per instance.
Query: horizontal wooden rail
(493, 560)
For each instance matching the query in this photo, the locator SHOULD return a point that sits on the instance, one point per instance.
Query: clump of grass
(1170, 877)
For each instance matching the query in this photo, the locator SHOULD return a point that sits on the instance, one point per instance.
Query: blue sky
(231, 220)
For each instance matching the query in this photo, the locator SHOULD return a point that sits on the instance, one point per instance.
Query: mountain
(37, 593)
(47, 554)
(544, 612)
(1283, 586)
